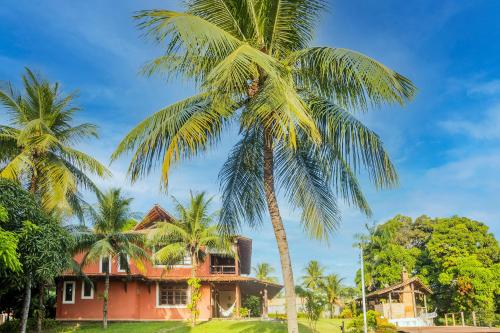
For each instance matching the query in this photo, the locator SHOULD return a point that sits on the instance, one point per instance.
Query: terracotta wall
(137, 302)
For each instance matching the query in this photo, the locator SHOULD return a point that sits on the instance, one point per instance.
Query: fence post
(474, 318)
(462, 316)
(446, 319)
(453, 319)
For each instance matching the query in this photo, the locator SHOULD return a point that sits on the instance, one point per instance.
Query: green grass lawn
(215, 326)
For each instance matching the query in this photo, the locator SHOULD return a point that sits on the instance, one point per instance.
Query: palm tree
(191, 235)
(263, 271)
(253, 65)
(314, 274)
(332, 286)
(108, 240)
(38, 148)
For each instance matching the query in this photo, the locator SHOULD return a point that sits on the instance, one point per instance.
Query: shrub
(244, 312)
(252, 303)
(346, 313)
(374, 322)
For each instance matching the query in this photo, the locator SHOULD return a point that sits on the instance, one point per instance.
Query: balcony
(220, 264)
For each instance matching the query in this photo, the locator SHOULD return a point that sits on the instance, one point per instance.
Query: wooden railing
(222, 269)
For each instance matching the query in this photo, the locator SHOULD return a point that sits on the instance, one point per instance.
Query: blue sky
(445, 144)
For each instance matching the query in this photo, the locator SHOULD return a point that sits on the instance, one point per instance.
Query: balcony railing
(222, 269)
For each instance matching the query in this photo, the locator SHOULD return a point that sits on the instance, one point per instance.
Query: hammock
(226, 313)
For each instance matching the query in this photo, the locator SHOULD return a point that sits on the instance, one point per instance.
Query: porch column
(238, 300)
(390, 305)
(264, 304)
(413, 300)
(425, 303)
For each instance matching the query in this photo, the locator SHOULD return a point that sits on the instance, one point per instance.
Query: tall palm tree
(332, 286)
(314, 274)
(37, 148)
(108, 240)
(254, 67)
(263, 272)
(191, 235)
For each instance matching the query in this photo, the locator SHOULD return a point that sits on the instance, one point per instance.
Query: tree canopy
(459, 258)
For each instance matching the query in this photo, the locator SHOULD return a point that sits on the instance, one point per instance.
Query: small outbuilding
(404, 303)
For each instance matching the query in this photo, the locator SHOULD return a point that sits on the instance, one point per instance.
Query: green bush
(244, 312)
(374, 322)
(13, 325)
(253, 304)
(346, 313)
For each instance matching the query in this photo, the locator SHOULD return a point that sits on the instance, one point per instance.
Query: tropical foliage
(192, 235)
(263, 272)
(37, 147)
(457, 257)
(43, 246)
(314, 275)
(108, 240)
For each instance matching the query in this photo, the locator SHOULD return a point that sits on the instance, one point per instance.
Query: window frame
(91, 291)
(155, 265)
(172, 306)
(118, 264)
(109, 264)
(64, 301)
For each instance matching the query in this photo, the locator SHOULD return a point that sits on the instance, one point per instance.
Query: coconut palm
(314, 274)
(37, 149)
(263, 271)
(254, 67)
(108, 240)
(191, 235)
(332, 286)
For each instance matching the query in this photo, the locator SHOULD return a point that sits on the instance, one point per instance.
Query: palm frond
(289, 24)
(242, 184)
(180, 130)
(303, 182)
(350, 78)
(358, 145)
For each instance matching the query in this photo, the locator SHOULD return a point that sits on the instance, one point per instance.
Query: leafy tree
(458, 257)
(314, 274)
(37, 149)
(108, 240)
(43, 245)
(253, 64)
(463, 259)
(332, 287)
(263, 272)
(9, 259)
(191, 235)
(314, 305)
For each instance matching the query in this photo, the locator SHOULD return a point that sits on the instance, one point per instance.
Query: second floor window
(122, 263)
(105, 265)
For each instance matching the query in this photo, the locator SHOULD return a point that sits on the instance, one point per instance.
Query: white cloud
(486, 127)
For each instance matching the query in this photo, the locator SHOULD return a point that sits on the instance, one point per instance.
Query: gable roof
(154, 215)
(415, 280)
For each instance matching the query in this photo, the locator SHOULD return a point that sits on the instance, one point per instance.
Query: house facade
(157, 293)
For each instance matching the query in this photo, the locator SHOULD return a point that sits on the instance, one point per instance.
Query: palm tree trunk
(279, 233)
(105, 304)
(331, 310)
(26, 305)
(41, 310)
(194, 265)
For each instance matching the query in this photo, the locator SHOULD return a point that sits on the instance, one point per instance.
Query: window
(172, 295)
(122, 263)
(105, 265)
(69, 292)
(87, 290)
(186, 261)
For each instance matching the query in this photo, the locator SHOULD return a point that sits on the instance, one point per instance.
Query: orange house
(155, 293)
